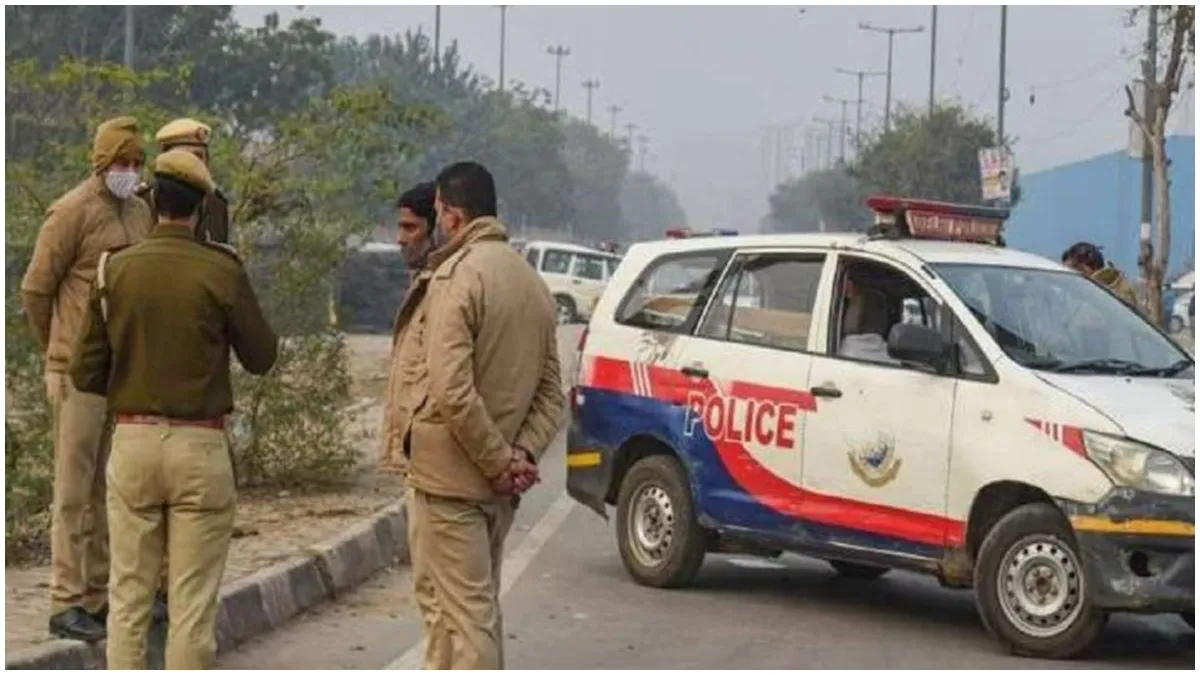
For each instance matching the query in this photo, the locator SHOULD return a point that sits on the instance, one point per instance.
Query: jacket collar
(487, 228)
(164, 231)
(1108, 275)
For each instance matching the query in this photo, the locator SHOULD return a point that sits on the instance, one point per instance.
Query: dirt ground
(271, 525)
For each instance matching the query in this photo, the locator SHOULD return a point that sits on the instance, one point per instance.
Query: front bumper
(1138, 551)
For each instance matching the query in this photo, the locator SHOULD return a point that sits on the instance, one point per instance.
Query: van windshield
(1063, 322)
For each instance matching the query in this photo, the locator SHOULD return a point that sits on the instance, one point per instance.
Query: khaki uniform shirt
(80, 226)
(175, 307)
(476, 374)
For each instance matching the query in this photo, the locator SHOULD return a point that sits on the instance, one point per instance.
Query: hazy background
(706, 83)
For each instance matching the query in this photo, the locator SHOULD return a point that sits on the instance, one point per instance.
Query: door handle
(827, 391)
(695, 371)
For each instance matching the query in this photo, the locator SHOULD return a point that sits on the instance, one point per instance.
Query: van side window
(589, 267)
(557, 262)
(766, 300)
(670, 293)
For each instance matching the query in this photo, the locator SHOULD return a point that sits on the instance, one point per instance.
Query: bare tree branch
(1132, 113)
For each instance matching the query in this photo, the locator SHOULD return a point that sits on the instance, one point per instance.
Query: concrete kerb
(265, 600)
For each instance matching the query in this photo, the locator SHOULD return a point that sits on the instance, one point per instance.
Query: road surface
(568, 604)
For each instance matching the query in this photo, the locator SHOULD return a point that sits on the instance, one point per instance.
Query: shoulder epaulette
(223, 248)
(101, 284)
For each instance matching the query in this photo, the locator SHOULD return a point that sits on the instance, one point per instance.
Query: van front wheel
(1030, 586)
(660, 540)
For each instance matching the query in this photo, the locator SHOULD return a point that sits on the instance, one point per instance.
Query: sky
(708, 84)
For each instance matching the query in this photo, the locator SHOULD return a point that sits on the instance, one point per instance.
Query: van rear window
(670, 293)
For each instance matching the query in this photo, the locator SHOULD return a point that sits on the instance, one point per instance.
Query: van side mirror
(910, 343)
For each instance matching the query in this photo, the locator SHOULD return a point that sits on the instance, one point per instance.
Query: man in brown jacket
(98, 214)
(1087, 259)
(480, 399)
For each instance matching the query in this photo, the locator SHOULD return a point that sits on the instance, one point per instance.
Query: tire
(1189, 618)
(655, 492)
(565, 308)
(1035, 543)
(858, 571)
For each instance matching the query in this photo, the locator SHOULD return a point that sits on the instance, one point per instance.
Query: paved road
(571, 606)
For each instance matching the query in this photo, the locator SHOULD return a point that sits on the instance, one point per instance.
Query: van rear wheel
(857, 571)
(661, 543)
(1030, 586)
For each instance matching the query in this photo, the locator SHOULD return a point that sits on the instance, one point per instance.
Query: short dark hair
(468, 186)
(419, 199)
(1084, 253)
(175, 199)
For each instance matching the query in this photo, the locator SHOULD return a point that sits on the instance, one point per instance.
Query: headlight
(1133, 465)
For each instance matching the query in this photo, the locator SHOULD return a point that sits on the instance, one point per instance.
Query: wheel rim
(651, 525)
(1040, 586)
(564, 312)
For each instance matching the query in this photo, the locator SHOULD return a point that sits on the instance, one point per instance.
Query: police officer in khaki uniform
(479, 400)
(415, 220)
(96, 215)
(194, 137)
(156, 341)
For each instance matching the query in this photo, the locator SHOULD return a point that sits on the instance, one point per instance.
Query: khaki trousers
(78, 523)
(170, 492)
(457, 547)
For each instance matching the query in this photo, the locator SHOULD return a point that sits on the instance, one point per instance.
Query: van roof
(573, 248)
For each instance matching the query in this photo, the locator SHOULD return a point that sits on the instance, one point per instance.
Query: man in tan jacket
(479, 399)
(98, 214)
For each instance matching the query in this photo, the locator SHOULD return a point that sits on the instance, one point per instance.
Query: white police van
(920, 398)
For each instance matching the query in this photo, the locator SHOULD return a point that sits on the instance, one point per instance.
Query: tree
(649, 207)
(597, 168)
(821, 201)
(1178, 34)
(929, 157)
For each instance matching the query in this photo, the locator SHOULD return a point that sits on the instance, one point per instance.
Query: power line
(1089, 73)
(1075, 126)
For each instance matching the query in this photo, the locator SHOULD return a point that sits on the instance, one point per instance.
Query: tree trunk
(1162, 189)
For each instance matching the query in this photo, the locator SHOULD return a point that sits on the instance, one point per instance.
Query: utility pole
(129, 36)
(844, 102)
(1003, 94)
(1149, 91)
(558, 52)
(630, 128)
(503, 16)
(860, 74)
(932, 58)
(643, 140)
(828, 138)
(612, 129)
(891, 33)
(437, 37)
(590, 85)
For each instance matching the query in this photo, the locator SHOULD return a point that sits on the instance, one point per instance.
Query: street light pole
(1002, 94)
(859, 74)
(643, 140)
(503, 16)
(437, 37)
(829, 137)
(129, 36)
(590, 85)
(844, 102)
(558, 52)
(891, 33)
(612, 130)
(630, 127)
(932, 58)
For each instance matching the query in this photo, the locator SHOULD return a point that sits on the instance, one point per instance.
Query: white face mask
(122, 183)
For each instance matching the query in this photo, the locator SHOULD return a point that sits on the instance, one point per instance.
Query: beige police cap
(184, 167)
(183, 132)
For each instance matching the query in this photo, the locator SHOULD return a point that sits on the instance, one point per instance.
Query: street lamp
(558, 52)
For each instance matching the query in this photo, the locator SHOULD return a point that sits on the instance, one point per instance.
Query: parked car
(576, 275)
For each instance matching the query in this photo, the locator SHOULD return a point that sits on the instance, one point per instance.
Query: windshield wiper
(1104, 366)
(1168, 371)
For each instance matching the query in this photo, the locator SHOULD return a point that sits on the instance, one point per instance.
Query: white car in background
(576, 275)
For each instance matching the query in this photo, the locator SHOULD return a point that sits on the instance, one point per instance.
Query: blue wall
(1099, 200)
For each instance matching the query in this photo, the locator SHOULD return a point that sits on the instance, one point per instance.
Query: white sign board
(996, 174)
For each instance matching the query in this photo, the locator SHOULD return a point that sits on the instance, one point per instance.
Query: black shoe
(76, 624)
(100, 615)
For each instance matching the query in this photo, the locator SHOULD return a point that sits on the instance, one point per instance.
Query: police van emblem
(876, 464)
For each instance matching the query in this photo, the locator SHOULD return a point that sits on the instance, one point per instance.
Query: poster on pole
(996, 174)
